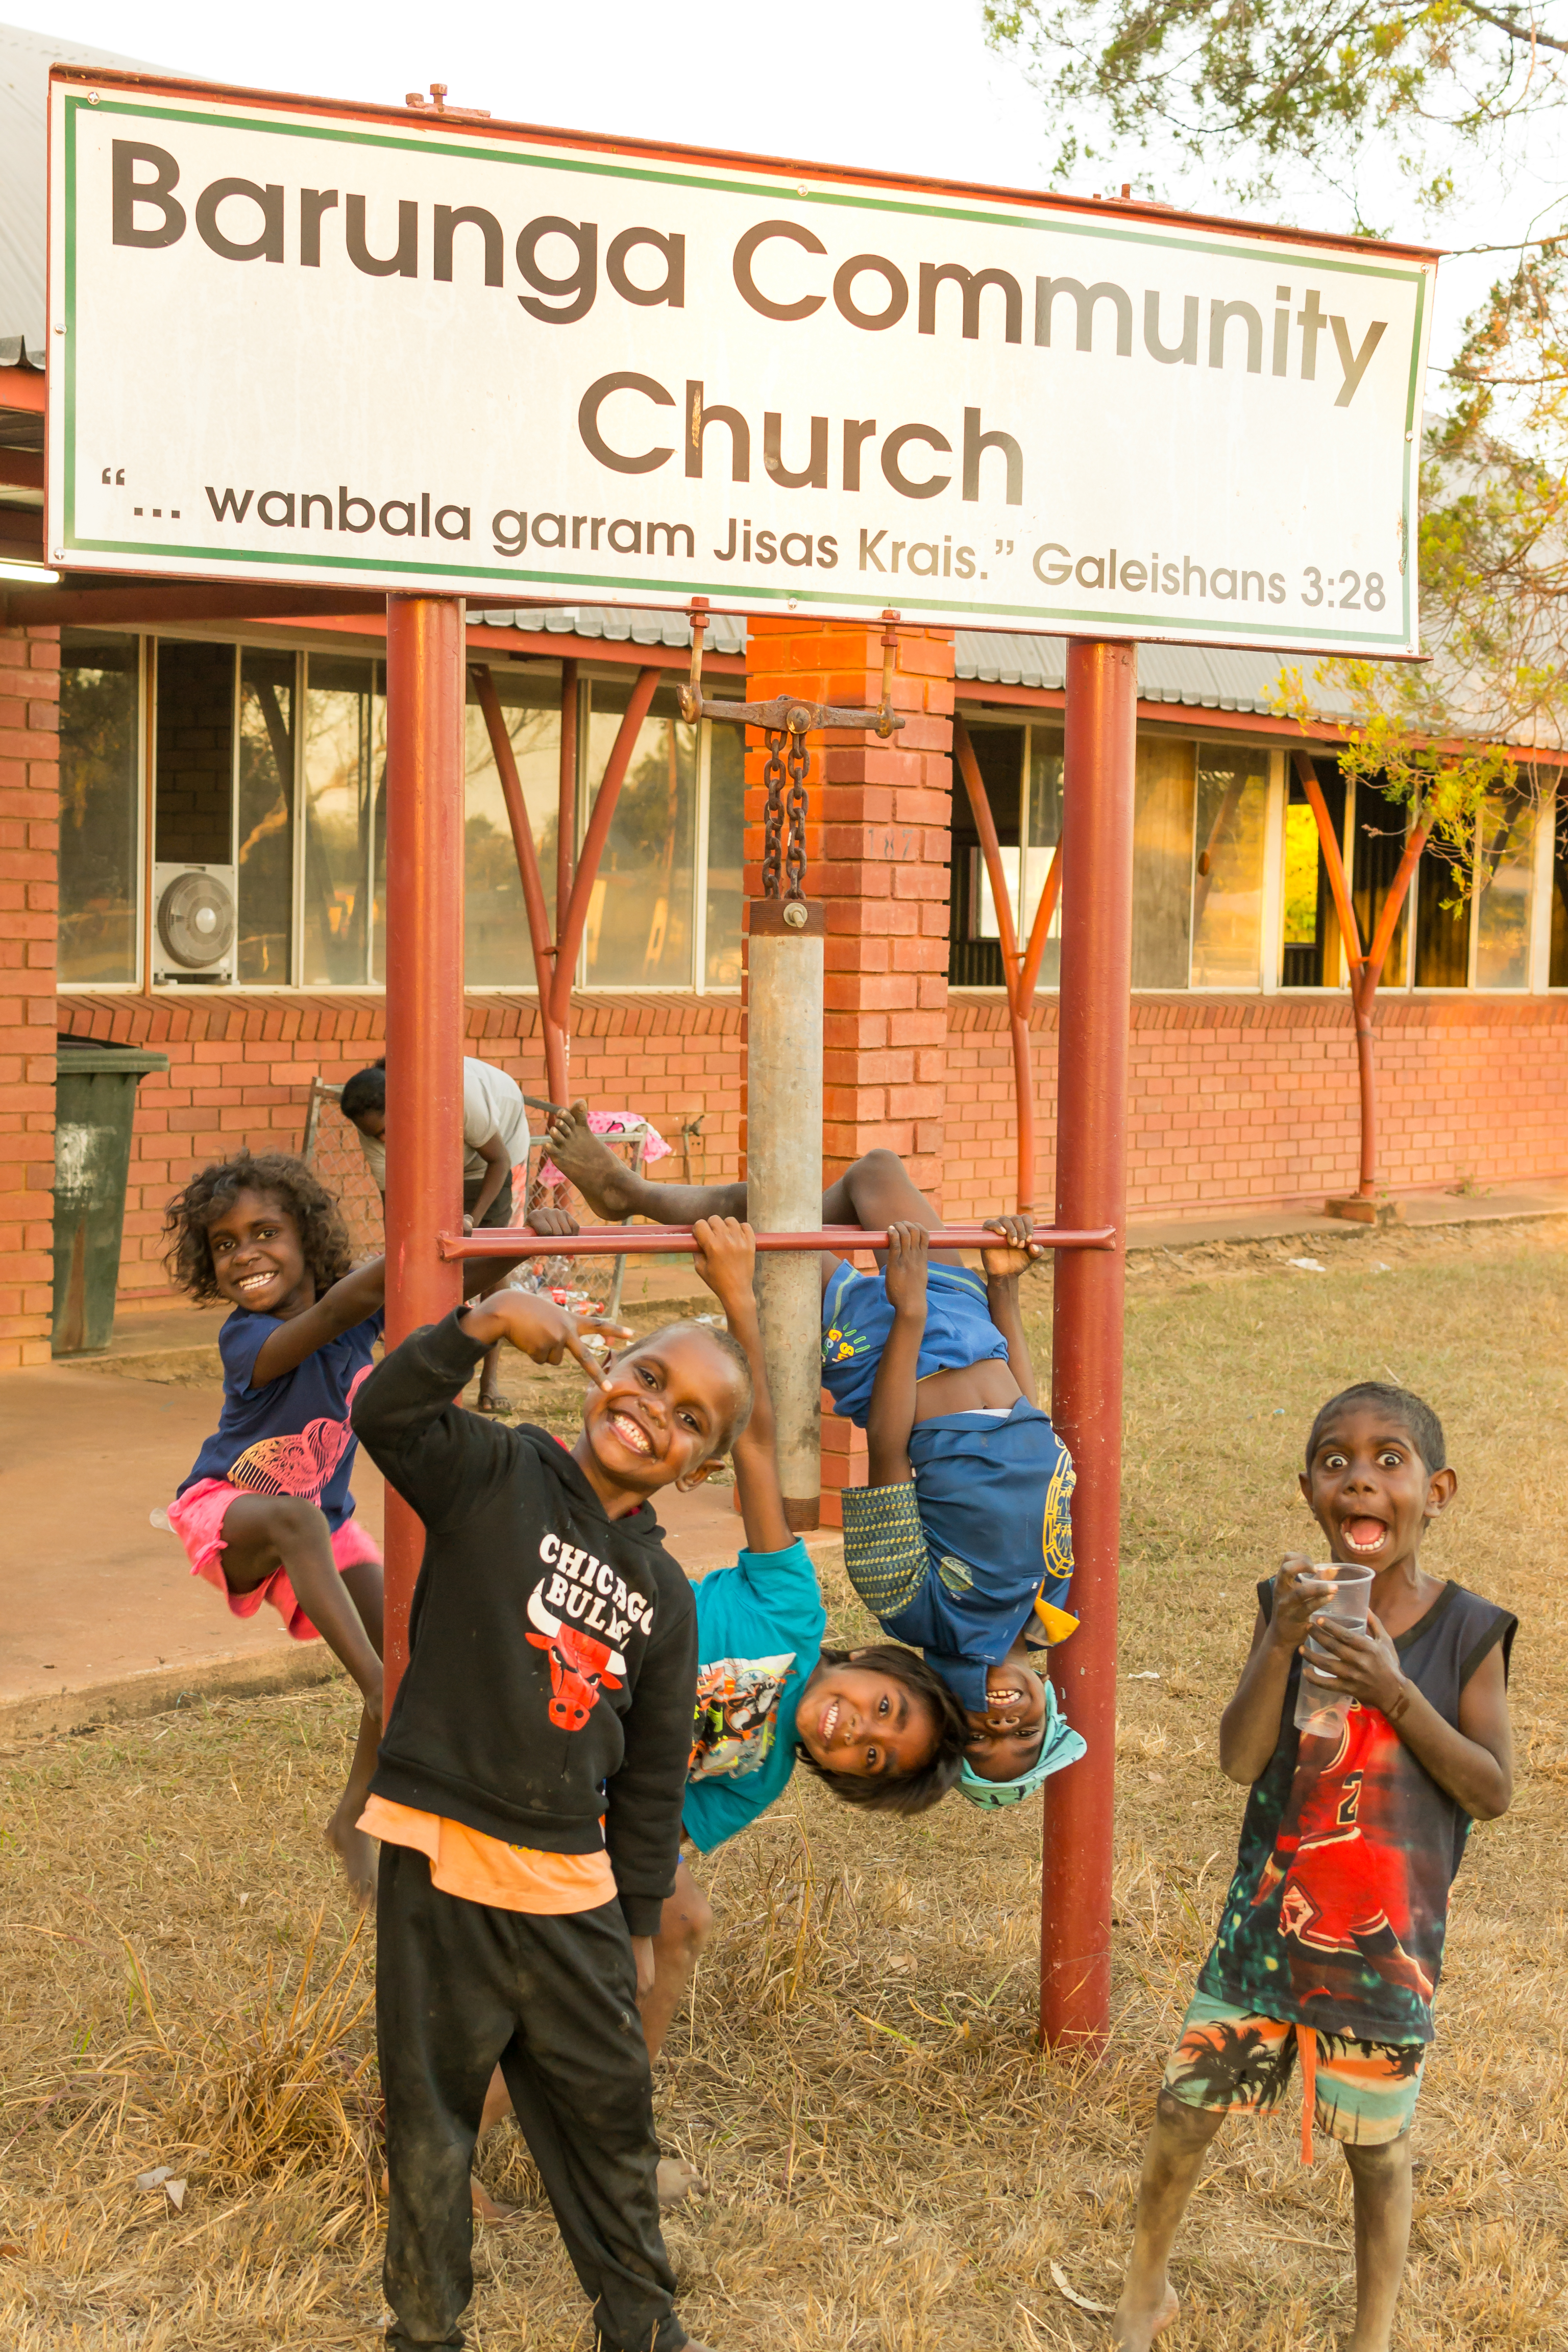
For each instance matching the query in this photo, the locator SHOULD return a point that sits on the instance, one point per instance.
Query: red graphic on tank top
(1346, 1887)
(299, 1464)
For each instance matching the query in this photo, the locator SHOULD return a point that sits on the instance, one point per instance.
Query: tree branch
(1525, 32)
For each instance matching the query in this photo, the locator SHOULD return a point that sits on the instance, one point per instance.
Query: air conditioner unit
(194, 925)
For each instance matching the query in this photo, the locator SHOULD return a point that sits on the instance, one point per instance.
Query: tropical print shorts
(1362, 2092)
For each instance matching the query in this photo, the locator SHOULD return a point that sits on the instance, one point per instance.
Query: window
(1442, 923)
(1505, 879)
(1042, 833)
(1311, 955)
(345, 821)
(640, 925)
(726, 842)
(1227, 867)
(1382, 829)
(497, 951)
(192, 785)
(1163, 863)
(99, 876)
(1557, 966)
(1021, 769)
(264, 854)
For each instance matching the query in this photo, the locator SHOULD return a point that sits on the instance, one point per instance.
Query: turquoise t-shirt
(760, 1626)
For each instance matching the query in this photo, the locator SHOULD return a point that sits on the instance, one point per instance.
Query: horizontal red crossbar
(649, 1241)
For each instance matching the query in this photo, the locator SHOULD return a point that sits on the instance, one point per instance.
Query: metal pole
(424, 1009)
(662, 1241)
(784, 1178)
(1085, 1394)
(565, 872)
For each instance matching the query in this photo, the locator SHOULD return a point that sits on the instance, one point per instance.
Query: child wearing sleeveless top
(1330, 1940)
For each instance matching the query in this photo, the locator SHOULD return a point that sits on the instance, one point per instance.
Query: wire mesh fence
(329, 1146)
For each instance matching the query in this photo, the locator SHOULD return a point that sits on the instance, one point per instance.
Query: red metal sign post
(425, 693)
(1086, 1387)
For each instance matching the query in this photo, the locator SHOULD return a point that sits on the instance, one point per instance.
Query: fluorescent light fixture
(30, 576)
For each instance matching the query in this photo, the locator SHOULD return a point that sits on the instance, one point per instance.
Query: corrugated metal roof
(1192, 676)
(1196, 677)
(25, 61)
(618, 625)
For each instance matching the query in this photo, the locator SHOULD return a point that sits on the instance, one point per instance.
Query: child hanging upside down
(961, 1542)
(877, 1726)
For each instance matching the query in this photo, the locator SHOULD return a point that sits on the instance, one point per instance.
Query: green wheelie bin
(95, 1102)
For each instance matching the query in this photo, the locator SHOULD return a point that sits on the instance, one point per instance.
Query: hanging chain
(772, 817)
(781, 719)
(795, 854)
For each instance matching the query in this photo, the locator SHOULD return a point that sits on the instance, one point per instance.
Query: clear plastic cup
(1345, 1605)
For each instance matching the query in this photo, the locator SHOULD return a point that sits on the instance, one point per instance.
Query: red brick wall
(241, 1066)
(29, 845)
(1235, 1102)
(1248, 1102)
(879, 852)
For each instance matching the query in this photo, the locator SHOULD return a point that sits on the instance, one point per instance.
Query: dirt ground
(893, 2164)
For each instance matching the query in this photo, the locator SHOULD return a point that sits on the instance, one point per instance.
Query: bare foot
(484, 2204)
(605, 1181)
(1137, 2325)
(354, 1850)
(677, 2180)
(493, 1400)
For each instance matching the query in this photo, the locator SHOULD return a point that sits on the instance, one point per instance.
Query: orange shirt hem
(479, 1869)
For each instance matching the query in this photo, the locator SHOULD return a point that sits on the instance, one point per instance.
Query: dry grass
(894, 2166)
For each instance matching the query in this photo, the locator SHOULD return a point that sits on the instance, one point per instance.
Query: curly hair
(323, 1236)
(910, 1792)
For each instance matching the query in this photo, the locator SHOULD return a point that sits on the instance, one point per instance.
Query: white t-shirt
(492, 1105)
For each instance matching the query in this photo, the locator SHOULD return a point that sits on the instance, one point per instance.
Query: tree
(1254, 87)
(1265, 83)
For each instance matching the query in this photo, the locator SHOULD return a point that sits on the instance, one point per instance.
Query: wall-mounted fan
(194, 925)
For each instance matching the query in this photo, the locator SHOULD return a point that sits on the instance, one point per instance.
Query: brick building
(135, 751)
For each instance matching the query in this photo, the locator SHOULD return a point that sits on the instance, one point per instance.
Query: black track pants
(459, 1987)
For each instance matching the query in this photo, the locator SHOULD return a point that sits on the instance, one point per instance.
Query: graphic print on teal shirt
(760, 1628)
(737, 1715)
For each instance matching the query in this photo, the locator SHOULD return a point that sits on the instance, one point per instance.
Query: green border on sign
(1121, 623)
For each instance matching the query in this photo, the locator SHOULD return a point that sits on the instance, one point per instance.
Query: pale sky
(910, 88)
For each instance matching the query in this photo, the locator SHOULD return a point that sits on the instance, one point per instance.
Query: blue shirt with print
(291, 1436)
(750, 1617)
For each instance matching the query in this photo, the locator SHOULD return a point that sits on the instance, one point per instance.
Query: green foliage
(1266, 82)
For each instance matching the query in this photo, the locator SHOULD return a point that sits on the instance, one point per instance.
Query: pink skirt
(198, 1518)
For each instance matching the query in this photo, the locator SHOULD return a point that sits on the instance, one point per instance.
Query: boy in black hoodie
(527, 1796)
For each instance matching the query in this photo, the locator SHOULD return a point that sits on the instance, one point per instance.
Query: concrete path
(100, 1615)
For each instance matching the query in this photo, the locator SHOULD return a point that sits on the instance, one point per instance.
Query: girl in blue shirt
(266, 1514)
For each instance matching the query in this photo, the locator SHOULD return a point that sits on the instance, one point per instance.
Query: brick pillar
(29, 862)
(878, 851)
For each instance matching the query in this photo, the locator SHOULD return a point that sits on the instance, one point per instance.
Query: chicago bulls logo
(580, 1667)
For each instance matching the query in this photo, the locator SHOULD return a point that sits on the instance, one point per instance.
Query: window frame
(300, 649)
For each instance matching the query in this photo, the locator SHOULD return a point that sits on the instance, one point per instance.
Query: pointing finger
(595, 1369)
